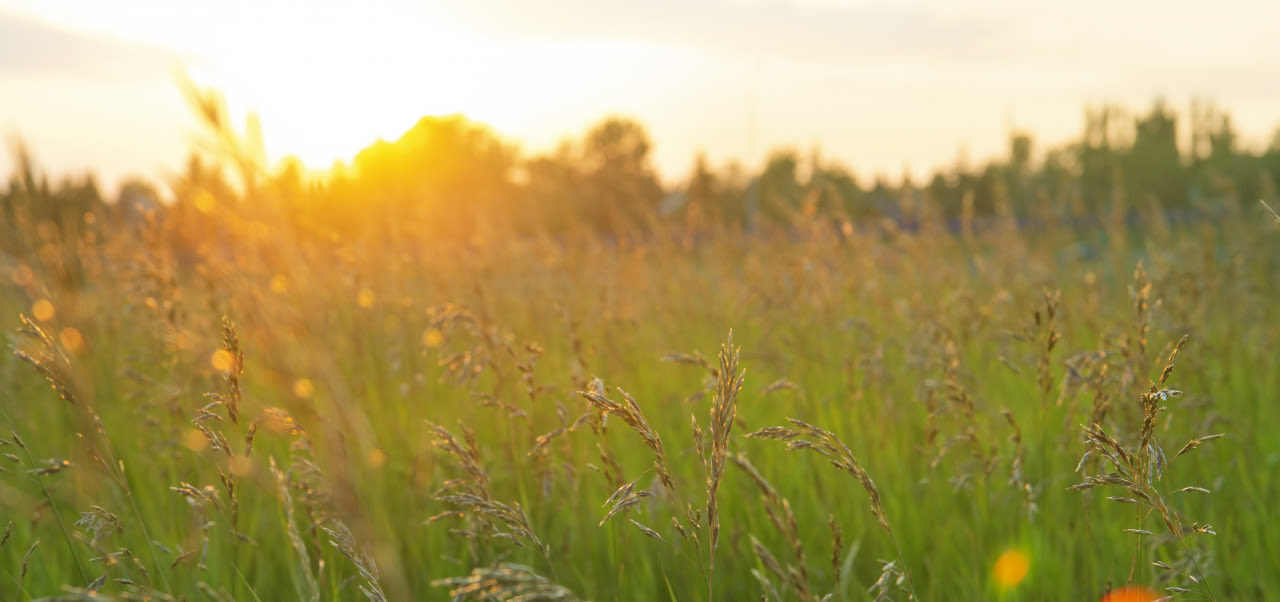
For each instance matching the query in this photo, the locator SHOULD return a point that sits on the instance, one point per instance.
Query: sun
(329, 81)
(333, 80)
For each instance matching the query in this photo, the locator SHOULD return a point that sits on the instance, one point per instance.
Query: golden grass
(965, 373)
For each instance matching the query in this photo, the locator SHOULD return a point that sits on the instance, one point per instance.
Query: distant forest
(451, 179)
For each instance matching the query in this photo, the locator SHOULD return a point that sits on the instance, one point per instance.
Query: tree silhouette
(1153, 165)
(624, 187)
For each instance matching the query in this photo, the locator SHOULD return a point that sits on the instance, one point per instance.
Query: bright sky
(879, 85)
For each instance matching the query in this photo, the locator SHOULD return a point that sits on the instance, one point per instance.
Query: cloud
(30, 49)
(812, 32)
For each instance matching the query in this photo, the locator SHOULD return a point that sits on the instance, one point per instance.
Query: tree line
(456, 180)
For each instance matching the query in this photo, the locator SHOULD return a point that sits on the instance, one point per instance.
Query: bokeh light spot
(279, 284)
(194, 440)
(22, 275)
(1011, 568)
(376, 458)
(240, 466)
(432, 337)
(204, 202)
(303, 388)
(42, 310)
(222, 360)
(71, 339)
(366, 298)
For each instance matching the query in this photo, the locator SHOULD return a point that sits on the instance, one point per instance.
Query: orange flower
(1131, 593)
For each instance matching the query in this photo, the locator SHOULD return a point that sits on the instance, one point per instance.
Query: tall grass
(282, 417)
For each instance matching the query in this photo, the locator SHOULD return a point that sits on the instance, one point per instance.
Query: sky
(884, 87)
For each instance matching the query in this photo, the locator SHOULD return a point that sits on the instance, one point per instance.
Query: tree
(45, 224)
(780, 190)
(447, 172)
(623, 186)
(1153, 165)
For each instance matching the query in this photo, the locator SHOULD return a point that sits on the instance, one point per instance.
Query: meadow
(1017, 411)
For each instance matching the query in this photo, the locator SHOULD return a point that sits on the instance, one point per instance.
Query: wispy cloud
(817, 32)
(31, 49)
(1171, 43)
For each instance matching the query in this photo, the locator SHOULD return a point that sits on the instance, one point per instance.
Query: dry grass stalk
(629, 412)
(623, 499)
(1016, 478)
(892, 578)
(691, 359)
(26, 560)
(724, 411)
(837, 548)
(1270, 210)
(1047, 336)
(341, 538)
(50, 360)
(309, 588)
(778, 509)
(466, 366)
(99, 523)
(770, 592)
(541, 442)
(609, 466)
(199, 500)
(771, 565)
(648, 531)
(697, 359)
(1136, 348)
(826, 444)
(781, 384)
(209, 422)
(231, 344)
(971, 435)
(471, 495)
(54, 365)
(508, 582)
(1138, 470)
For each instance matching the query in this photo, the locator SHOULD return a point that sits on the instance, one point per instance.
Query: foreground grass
(571, 420)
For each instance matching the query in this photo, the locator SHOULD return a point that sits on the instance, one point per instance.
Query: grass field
(289, 419)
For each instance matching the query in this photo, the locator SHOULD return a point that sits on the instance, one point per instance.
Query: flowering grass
(282, 417)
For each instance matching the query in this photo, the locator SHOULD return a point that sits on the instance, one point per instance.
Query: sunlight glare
(325, 90)
(330, 86)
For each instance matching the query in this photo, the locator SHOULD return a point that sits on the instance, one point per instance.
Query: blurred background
(884, 88)
(949, 232)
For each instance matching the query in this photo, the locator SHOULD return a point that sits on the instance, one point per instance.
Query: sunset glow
(329, 80)
(884, 87)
